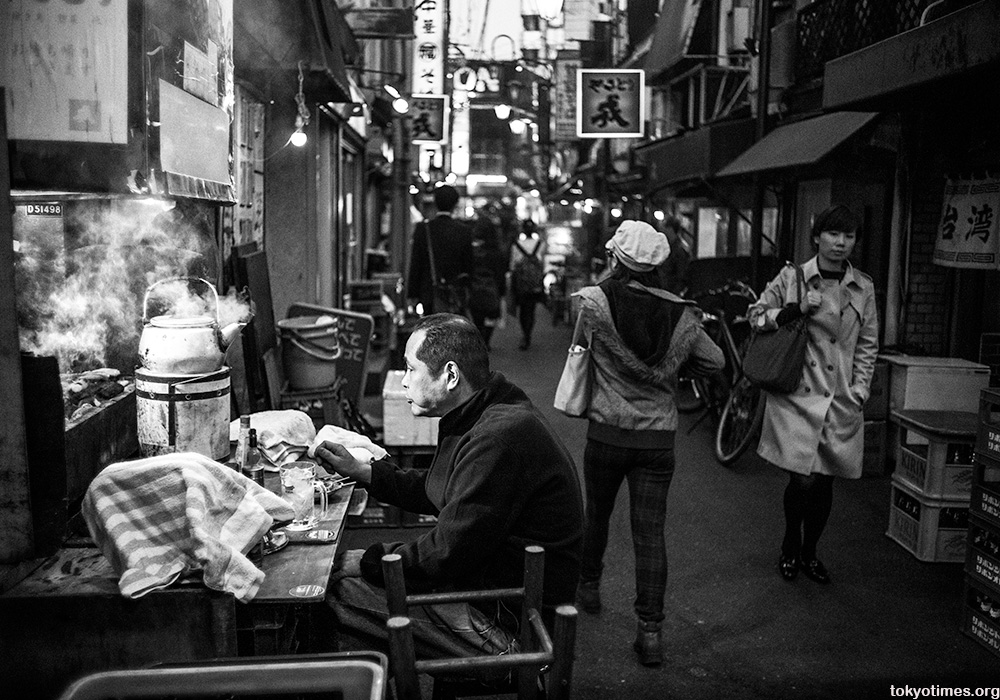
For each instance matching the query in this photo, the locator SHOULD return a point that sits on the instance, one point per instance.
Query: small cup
(299, 488)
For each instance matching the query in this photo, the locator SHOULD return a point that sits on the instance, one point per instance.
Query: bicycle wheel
(688, 398)
(740, 423)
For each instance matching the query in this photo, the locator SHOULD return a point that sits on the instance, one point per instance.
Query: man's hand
(343, 462)
(347, 564)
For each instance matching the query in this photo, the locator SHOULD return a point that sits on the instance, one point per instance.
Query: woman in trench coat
(817, 432)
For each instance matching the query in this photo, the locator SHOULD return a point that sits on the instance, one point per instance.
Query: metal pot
(184, 344)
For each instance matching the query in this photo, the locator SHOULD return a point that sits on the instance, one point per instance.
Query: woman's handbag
(573, 392)
(774, 359)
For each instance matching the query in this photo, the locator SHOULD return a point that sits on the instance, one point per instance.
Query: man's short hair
(449, 337)
(445, 197)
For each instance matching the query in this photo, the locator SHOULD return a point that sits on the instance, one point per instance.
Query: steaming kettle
(184, 344)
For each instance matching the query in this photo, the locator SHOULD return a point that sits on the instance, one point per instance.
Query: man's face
(428, 395)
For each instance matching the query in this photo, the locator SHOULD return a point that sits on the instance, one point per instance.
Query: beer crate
(934, 452)
(981, 615)
(985, 501)
(988, 437)
(982, 562)
(931, 529)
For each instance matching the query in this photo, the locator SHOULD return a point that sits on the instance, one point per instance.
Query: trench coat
(819, 428)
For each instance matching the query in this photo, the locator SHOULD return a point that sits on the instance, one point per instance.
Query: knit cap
(639, 246)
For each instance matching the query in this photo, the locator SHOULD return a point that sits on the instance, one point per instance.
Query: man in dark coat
(451, 244)
(501, 480)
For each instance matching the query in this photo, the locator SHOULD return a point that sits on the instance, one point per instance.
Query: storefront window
(724, 233)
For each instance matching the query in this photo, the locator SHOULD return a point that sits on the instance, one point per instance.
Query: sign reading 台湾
(430, 46)
(609, 103)
(429, 122)
(968, 232)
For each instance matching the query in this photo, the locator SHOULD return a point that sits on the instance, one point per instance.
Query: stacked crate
(981, 604)
(931, 486)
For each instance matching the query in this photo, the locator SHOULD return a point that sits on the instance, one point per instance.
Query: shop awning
(672, 35)
(801, 143)
(694, 155)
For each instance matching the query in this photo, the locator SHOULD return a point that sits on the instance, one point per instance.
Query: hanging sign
(430, 46)
(429, 122)
(564, 105)
(610, 103)
(969, 234)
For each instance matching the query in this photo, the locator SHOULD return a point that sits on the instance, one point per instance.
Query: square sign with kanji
(610, 103)
(429, 118)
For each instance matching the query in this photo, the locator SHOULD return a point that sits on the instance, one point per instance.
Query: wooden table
(69, 617)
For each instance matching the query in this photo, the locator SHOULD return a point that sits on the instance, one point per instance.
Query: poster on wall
(65, 69)
(968, 231)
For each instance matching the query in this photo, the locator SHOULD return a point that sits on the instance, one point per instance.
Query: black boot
(649, 643)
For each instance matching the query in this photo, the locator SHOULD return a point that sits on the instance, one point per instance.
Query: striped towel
(159, 518)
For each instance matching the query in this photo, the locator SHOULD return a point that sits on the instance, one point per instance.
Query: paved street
(734, 628)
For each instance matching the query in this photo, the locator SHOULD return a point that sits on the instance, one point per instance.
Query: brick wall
(929, 291)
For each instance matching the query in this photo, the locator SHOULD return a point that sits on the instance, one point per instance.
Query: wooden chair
(543, 667)
(351, 676)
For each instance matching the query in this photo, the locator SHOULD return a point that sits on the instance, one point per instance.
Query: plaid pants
(648, 473)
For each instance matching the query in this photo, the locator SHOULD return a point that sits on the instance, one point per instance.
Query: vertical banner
(968, 232)
(564, 105)
(430, 46)
(65, 69)
(610, 103)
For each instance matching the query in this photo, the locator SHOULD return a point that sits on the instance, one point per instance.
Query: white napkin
(360, 446)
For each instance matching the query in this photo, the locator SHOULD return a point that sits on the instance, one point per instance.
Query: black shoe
(648, 643)
(525, 344)
(815, 570)
(788, 567)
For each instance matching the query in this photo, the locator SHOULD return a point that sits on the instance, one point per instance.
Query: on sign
(610, 103)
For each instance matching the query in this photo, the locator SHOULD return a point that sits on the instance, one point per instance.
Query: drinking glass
(298, 487)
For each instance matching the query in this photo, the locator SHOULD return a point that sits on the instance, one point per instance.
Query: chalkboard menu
(355, 333)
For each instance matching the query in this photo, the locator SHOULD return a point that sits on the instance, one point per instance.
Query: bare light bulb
(502, 111)
(299, 138)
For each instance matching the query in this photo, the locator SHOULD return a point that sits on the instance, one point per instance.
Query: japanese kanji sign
(429, 119)
(65, 67)
(430, 46)
(609, 103)
(968, 233)
(564, 106)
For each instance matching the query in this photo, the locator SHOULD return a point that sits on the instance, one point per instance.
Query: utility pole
(763, 94)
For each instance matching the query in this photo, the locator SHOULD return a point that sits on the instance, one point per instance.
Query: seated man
(500, 480)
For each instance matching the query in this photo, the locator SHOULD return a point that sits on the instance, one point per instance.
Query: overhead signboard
(429, 123)
(564, 107)
(380, 22)
(610, 103)
(430, 46)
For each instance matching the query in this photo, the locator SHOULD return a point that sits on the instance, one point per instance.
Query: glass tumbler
(300, 487)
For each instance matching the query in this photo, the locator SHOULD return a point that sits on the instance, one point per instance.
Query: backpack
(527, 275)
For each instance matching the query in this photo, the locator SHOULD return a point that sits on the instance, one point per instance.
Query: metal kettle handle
(145, 298)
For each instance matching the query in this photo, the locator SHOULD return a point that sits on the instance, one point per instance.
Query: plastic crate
(988, 437)
(934, 451)
(376, 514)
(982, 563)
(932, 530)
(984, 502)
(981, 615)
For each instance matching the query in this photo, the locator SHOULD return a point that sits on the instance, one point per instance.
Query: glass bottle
(253, 465)
(243, 441)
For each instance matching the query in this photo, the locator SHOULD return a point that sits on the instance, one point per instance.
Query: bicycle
(735, 405)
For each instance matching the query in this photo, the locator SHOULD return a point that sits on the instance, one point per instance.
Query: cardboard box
(399, 425)
(935, 383)
(933, 530)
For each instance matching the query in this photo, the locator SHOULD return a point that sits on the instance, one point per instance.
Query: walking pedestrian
(817, 432)
(526, 278)
(441, 259)
(639, 336)
(488, 278)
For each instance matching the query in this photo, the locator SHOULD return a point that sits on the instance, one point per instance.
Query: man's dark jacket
(500, 480)
(452, 245)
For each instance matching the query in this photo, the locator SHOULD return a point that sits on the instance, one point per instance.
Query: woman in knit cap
(639, 336)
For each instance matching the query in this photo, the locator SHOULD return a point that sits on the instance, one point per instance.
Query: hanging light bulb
(298, 137)
(502, 111)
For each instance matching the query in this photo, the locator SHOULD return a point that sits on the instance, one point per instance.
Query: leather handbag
(774, 359)
(573, 391)
(449, 297)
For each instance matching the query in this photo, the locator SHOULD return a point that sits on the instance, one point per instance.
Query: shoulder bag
(573, 391)
(774, 359)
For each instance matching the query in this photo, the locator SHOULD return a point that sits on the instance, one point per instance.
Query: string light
(298, 137)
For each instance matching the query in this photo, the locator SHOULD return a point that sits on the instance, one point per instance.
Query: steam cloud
(81, 286)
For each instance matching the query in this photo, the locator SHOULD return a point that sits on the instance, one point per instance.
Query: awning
(801, 143)
(672, 35)
(695, 154)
